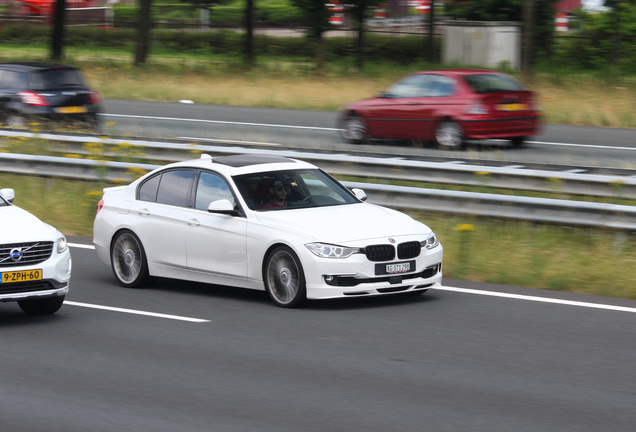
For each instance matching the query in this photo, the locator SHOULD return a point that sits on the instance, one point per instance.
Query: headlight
(331, 251)
(61, 244)
(431, 241)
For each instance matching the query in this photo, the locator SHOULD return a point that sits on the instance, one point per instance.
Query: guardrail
(546, 210)
(510, 178)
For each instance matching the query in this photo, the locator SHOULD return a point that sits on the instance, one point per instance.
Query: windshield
(281, 190)
(487, 83)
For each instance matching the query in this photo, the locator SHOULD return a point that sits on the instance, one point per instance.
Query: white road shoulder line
(136, 312)
(443, 288)
(538, 299)
(81, 246)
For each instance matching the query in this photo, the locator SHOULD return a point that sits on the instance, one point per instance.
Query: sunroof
(238, 161)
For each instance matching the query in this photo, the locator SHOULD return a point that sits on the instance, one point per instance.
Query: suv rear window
(55, 78)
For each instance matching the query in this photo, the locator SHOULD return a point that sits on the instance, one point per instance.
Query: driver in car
(279, 196)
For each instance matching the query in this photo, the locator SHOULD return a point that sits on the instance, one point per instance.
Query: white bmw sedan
(35, 262)
(262, 222)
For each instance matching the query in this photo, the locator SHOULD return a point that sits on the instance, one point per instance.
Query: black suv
(45, 92)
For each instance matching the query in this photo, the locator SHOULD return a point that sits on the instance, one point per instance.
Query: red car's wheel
(449, 135)
(353, 128)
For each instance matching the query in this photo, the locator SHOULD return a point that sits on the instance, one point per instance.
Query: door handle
(143, 212)
(193, 222)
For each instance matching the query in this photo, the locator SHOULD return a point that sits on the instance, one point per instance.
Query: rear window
(488, 83)
(55, 78)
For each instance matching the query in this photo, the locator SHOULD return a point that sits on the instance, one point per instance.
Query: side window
(170, 187)
(211, 188)
(148, 189)
(440, 86)
(12, 80)
(410, 86)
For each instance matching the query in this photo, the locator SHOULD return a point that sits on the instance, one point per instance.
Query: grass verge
(566, 97)
(582, 260)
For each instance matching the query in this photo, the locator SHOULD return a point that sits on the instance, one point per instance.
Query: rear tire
(15, 121)
(449, 135)
(353, 128)
(45, 306)
(128, 260)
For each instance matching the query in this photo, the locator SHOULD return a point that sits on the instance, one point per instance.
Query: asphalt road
(449, 360)
(575, 146)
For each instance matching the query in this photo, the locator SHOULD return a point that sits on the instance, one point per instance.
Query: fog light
(328, 278)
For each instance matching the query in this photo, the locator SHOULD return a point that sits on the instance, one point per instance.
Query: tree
(57, 37)
(315, 16)
(360, 11)
(249, 33)
(144, 23)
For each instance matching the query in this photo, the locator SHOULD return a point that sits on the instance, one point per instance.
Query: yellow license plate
(21, 276)
(71, 110)
(512, 107)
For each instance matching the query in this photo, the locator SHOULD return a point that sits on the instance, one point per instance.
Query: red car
(445, 106)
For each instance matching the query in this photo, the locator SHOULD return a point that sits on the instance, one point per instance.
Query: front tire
(353, 128)
(517, 141)
(450, 135)
(284, 278)
(45, 306)
(128, 260)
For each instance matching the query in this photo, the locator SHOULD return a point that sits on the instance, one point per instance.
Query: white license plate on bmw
(394, 268)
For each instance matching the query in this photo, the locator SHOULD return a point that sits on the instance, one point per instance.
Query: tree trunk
(527, 36)
(144, 22)
(249, 33)
(431, 33)
(57, 39)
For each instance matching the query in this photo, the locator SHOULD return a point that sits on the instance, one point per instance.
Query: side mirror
(223, 207)
(360, 194)
(8, 194)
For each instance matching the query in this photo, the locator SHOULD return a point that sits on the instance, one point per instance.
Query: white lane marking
(81, 246)
(497, 294)
(582, 145)
(538, 299)
(223, 122)
(136, 312)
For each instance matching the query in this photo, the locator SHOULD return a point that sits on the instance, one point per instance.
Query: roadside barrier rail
(555, 211)
(464, 174)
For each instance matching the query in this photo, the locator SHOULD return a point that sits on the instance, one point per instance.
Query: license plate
(71, 110)
(394, 268)
(512, 107)
(21, 276)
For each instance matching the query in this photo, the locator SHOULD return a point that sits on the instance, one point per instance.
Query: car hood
(20, 226)
(345, 224)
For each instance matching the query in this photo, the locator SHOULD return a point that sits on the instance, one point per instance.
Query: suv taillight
(94, 98)
(100, 204)
(32, 98)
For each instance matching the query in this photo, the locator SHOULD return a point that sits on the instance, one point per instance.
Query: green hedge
(591, 53)
(233, 15)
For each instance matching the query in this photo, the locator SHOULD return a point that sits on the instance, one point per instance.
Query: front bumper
(328, 278)
(56, 276)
